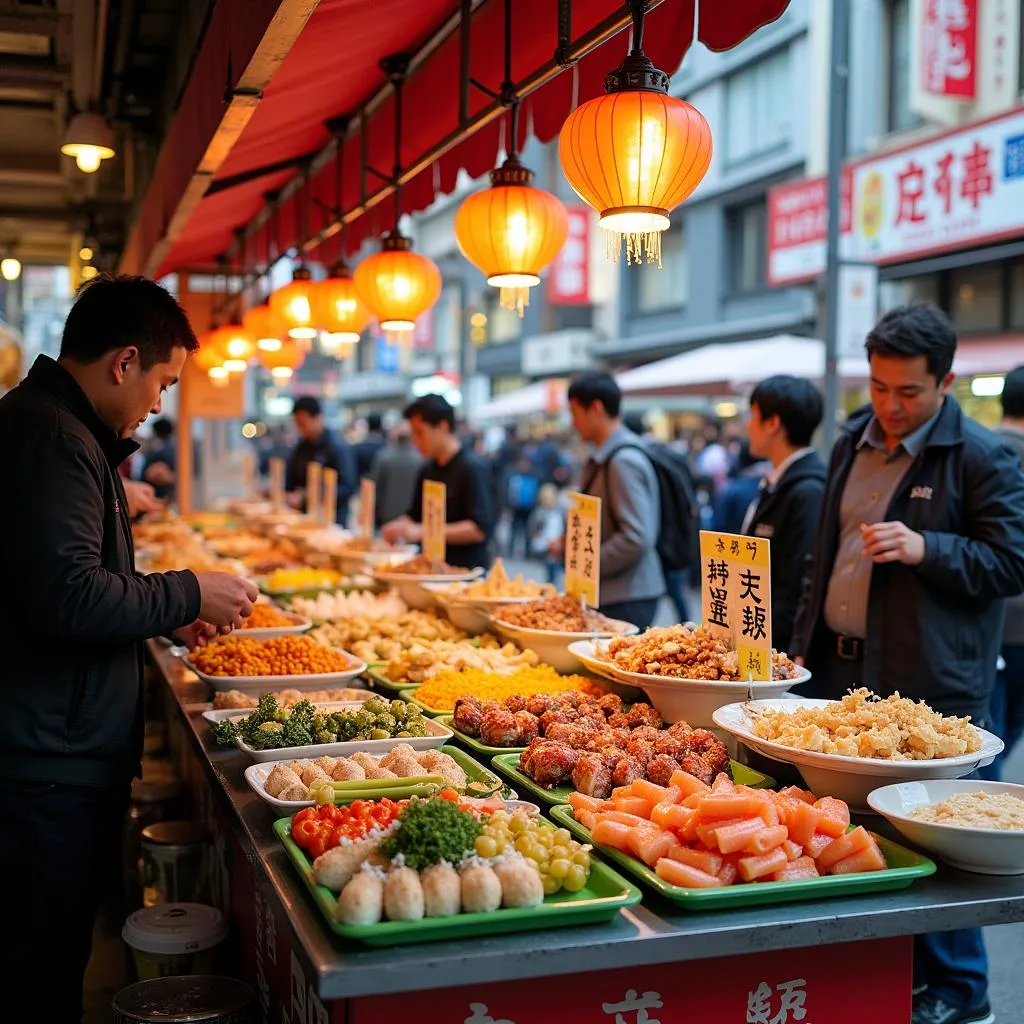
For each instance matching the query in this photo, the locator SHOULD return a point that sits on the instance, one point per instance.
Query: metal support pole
(838, 83)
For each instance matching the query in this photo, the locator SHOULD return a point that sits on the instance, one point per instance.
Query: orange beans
(279, 656)
(266, 616)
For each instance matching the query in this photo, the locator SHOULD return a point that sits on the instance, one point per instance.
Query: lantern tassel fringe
(515, 298)
(641, 246)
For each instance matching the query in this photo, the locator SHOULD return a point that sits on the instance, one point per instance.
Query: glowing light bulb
(282, 372)
(269, 344)
(88, 159)
(85, 254)
(10, 268)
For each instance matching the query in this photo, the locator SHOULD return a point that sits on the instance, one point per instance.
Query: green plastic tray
(475, 771)
(604, 895)
(374, 675)
(409, 694)
(508, 764)
(904, 867)
(473, 742)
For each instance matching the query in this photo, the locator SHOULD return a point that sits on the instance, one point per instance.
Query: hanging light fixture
(10, 268)
(512, 230)
(89, 140)
(283, 362)
(207, 357)
(293, 303)
(266, 328)
(635, 153)
(396, 284)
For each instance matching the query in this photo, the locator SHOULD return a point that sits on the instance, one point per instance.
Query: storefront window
(746, 227)
(900, 116)
(502, 324)
(908, 290)
(976, 298)
(668, 288)
(758, 108)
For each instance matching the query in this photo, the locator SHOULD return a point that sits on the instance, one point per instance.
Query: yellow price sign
(434, 520)
(583, 549)
(314, 472)
(329, 506)
(367, 506)
(277, 483)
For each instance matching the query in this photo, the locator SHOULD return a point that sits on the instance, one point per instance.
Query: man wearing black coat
(921, 540)
(317, 444)
(784, 414)
(73, 616)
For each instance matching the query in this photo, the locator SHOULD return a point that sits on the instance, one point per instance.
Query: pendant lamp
(89, 140)
(207, 357)
(336, 306)
(283, 362)
(293, 305)
(236, 345)
(336, 345)
(265, 327)
(635, 153)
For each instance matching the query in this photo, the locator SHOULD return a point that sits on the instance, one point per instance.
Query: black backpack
(679, 537)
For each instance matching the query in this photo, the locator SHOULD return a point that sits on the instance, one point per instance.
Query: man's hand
(892, 542)
(293, 499)
(198, 634)
(227, 600)
(798, 661)
(141, 498)
(402, 531)
(159, 474)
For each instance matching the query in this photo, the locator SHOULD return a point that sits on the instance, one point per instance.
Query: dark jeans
(56, 845)
(520, 530)
(553, 570)
(675, 583)
(640, 613)
(1007, 708)
(953, 965)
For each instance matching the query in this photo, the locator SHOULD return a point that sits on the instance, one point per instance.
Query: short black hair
(634, 421)
(596, 386)
(433, 410)
(114, 311)
(920, 329)
(796, 402)
(1013, 394)
(374, 421)
(307, 404)
(163, 428)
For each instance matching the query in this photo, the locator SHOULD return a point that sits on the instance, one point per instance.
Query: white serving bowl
(552, 646)
(411, 588)
(317, 681)
(848, 778)
(470, 614)
(354, 562)
(986, 851)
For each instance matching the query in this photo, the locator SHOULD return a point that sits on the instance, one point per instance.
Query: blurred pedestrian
(744, 482)
(547, 531)
(395, 470)
(366, 450)
(521, 500)
(160, 462)
(1008, 695)
(921, 540)
(784, 414)
(316, 444)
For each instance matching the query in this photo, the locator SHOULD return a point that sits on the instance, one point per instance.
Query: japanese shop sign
(949, 48)
(736, 600)
(569, 278)
(367, 506)
(277, 483)
(434, 518)
(314, 472)
(329, 506)
(800, 986)
(797, 227)
(961, 188)
(583, 549)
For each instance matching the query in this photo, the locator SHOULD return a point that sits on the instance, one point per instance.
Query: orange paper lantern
(207, 357)
(634, 155)
(511, 231)
(283, 362)
(293, 304)
(235, 345)
(265, 327)
(397, 285)
(336, 306)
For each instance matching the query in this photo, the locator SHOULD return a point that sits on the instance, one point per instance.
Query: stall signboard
(949, 48)
(329, 505)
(569, 277)
(434, 519)
(797, 230)
(736, 598)
(805, 986)
(248, 473)
(367, 506)
(314, 474)
(959, 189)
(277, 483)
(583, 549)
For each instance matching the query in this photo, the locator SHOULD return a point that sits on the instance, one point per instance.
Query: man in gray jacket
(623, 477)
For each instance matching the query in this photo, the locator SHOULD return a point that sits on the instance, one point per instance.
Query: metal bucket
(173, 863)
(191, 998)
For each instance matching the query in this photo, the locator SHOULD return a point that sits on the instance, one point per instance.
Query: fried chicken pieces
(596, 743)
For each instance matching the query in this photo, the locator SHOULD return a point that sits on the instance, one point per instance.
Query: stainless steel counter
(653, 932)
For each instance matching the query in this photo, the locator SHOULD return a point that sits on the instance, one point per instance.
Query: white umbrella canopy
(543, 396)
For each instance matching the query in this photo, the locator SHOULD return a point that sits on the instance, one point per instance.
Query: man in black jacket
(921, 539)
(784, 414)
(318, 445)
(73, 615)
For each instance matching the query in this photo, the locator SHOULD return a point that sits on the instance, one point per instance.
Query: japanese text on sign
(277, 483)
(764, 1008)
(434, 518)
(949, 48)
(329, 508)
(736, 598)
(367, 506)
(583, 549)
(314, 471)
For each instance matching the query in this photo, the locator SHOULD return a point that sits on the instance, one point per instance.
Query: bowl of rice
(972, 825)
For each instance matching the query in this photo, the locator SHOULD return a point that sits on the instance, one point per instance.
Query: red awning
(332, 69)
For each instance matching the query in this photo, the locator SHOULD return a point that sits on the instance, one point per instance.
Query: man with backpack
(521, 499)
(646, 514)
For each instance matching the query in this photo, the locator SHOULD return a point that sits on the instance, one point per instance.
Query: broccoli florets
(267, 736)
(224, 733)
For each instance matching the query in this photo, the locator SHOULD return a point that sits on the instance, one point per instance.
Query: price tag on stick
(367, 506)
(329, 507)
(736, 599)
(583, 549)
(434, 519)
(314, 472)
(277, 483)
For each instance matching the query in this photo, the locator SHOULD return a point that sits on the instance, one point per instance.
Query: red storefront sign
(845, 984)
(949, 48)
(569, 277)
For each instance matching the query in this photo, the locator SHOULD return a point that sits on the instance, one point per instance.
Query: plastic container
(154, 799)
(173, 862)
(175, 939)
(196, 999)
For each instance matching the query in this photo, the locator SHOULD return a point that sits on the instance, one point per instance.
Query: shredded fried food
(975, 810)
(562, 614)
(685, 654)
(864, 725)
